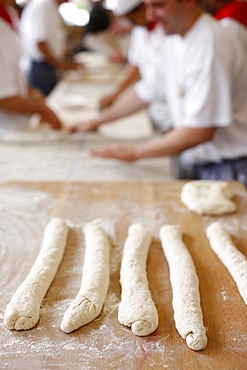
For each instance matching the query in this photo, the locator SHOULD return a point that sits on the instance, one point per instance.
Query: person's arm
(34, 103)
(124, 106)
(55, 62)
(132, 75)
(117, 56)
(30, 104)
(173, 142)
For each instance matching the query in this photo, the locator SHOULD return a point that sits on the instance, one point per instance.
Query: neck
(191, 21)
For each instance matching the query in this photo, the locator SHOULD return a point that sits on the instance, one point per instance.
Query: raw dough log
(22, 312)
(95, 280)
(208, 197)
(184, 281)
(136, 309)
(230, 256)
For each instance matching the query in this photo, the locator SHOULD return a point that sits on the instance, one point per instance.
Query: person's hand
(48, 116)
(127, 153)
(88, 126)
(72, 66)
(108, 100)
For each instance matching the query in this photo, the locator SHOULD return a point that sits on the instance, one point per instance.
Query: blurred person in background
(103, 34)
(44, 38)
(202, 75)
(146, 42)
(99, 19)
(230, 13)
(17, 100)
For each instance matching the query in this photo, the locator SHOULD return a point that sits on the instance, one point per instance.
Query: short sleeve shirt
(145, 48)
(41, 22)
(202, 76)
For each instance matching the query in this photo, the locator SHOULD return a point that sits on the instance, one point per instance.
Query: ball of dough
(208, 197)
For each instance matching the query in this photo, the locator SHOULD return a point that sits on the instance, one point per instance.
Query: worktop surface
(25, 210)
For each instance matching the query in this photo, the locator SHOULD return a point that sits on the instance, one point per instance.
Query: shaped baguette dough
(22, 312)
(136, 309)
(230, 256)
(95, 280)
(184, 281)
(208, 197)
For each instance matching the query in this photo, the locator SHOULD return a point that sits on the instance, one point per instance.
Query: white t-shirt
(202, 76)
(12, 80)
(145, 47)
(41, 22)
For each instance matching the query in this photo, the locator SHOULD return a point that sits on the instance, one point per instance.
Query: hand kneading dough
(22, 312)
(230, 256)
(184, 281)
(95, 280)
(208, 197)
(136, 309)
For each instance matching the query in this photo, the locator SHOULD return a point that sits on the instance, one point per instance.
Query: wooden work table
(104, 343)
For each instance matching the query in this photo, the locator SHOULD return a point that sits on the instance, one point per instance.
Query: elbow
(210, 134)
(206, 135)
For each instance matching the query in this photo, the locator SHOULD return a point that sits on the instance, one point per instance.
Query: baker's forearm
(174, 142)
(22, 105)
(127, 104)
(131, 77)
(49, 57)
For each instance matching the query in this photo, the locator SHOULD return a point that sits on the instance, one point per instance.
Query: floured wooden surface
(77, 97)
(26, 208)
(42, 134)
(39, 156)
(75, 102)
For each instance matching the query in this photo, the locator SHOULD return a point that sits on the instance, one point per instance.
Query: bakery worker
(17, 101)
(44, 39)
(202, 75)
(146, 42)
(230, 13)
(99, 19)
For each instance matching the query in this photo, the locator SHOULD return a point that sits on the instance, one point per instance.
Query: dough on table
(208, 197)
(185, 288)
(95, 280)
(22, 312)
(136, 308)
(235, 261)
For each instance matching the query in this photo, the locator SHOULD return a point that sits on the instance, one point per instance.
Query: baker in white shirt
(145, 46)
(44, 39)
(17, 101)
(202, 76)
